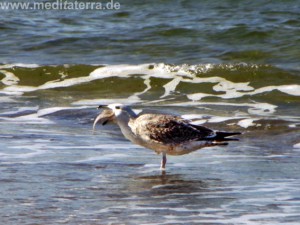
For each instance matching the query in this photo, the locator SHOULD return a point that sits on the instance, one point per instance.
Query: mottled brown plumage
(171, 129)
(165, 134)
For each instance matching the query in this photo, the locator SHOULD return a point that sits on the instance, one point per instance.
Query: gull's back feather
(167, 129)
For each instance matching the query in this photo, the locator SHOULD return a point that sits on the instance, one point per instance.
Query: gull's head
(121, 110)
(117, 108)
(114, 112)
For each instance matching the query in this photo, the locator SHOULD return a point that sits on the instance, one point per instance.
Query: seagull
(165, 134)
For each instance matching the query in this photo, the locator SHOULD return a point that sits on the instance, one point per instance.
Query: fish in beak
(107, 115)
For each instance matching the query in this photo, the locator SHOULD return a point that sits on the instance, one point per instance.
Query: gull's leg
(163, 161)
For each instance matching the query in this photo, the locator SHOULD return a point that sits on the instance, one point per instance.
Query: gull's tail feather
(222, 136)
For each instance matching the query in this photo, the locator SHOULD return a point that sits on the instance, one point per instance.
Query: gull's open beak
(104, 117)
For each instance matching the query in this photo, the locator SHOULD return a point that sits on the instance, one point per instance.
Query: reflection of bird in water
(165, 134)
(166, 184)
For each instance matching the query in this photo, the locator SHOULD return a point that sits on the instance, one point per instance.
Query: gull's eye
(118, 107)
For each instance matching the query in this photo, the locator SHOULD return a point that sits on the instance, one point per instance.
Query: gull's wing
(168, 129)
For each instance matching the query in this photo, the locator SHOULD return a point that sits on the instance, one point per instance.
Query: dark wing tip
(101, 106)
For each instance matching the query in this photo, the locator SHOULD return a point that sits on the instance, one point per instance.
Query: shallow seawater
(227, 65)
(56, 170)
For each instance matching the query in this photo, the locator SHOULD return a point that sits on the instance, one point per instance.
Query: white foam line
(103, 146)
(103, 157)
(292, 89)
(232, 89)
(7, 99)
(35, 118)
(9, 79)
(21, 109)
(9, 66)
(159, 70)
(199, 122)
(28, 119)
(118, 71)
(48, 85)
(296, 145)
(234, 93)
(148, 86)
(171, 86)
(222, 84)
(106, 101)
(225, 85)
(218, 119)
(245, 123)
(21, 156)
(146, 71)
(198, 96)
(199, 119)
(192, 116)
(156, 101)
(255, 108)
(51, 110)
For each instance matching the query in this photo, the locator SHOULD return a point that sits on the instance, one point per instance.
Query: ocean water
(227, 65)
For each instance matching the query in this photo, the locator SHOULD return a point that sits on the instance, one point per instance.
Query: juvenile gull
(165, 134)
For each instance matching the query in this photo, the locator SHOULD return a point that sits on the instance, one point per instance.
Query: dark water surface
(228, 65)
(162, 31)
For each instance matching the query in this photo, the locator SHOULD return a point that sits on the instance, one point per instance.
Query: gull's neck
(123, 120)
